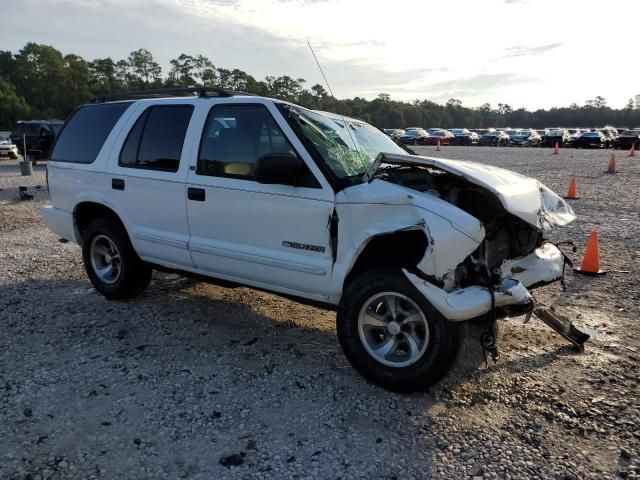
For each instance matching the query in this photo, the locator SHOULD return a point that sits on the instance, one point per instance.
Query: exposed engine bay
(506, 235)
(500, 222)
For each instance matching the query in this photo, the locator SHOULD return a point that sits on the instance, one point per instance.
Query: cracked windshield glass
(350, 152)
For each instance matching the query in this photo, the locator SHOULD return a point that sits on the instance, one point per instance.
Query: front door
(275, 236)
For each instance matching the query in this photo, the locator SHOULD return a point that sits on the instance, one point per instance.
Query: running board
(562, 325)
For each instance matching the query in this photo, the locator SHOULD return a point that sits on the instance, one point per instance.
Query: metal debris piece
(562, 325)
(27, 193)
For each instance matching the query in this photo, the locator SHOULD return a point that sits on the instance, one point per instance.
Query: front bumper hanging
(544, 265)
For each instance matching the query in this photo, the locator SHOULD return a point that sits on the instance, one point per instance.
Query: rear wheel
(392, 335)
(111, 263)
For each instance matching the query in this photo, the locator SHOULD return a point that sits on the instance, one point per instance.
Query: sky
(526, 53)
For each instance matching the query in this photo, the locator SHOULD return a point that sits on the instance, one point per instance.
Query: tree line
(41, 82)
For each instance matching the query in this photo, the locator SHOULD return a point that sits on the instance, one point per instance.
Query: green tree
(144, 71)
(104, 76)
(183, 71)
(77, 83)
(205, 71)
(40, 77)
(12, 107)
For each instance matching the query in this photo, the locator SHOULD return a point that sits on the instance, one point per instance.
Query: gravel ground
(198, 381)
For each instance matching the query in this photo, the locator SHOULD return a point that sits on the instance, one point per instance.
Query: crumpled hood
(522, 196)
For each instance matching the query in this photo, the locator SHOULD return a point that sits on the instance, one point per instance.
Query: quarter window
(235, 137)
(85, 132)
(155, 141)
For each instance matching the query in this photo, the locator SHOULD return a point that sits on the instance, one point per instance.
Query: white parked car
(309, 204)
(7, 148)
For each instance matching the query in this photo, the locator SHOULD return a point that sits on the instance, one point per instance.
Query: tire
(132, 275)
(441, 339)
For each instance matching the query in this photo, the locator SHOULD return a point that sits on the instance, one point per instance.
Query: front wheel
(111, 263)
(392, 335)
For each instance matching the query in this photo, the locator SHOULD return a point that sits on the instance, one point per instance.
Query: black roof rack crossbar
(165, 92)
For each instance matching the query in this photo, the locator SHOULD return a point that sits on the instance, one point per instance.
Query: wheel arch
(402, 248)
(87, 210)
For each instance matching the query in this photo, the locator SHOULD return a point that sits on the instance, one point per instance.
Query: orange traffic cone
(438, 147)
(591, 260)
(611, 168)
(572, 194)
(632, 152)
(556, 150)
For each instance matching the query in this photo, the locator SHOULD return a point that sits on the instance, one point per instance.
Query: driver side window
(235, 137)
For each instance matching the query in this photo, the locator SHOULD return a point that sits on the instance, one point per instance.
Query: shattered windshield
(348, 147)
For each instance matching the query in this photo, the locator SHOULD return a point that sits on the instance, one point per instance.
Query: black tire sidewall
(135, 274)
(444, 336)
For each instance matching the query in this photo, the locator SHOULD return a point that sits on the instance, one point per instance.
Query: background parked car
(38, 135)
(591, 140)
(560, 136)
(7, 148)
(627, 138)
(525, 138)
(497, 138)
(393, 132)
(462, 136)
(443, 136)
(610, 135)
(414, 136)
(575, 135)
(479, 131)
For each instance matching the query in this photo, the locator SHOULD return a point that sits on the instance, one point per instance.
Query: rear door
(276, 236)
(148, 179)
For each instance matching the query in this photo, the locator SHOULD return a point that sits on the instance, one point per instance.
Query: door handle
(196, 194)
(117, 184)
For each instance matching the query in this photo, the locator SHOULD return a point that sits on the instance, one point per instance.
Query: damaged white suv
(309, 204)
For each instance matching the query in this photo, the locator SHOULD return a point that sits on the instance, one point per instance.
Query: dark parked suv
(591, 140)
(38, 136)
(559, 135)
(627, 139)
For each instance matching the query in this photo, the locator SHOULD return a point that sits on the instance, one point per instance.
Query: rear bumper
(59, 222)
(542, 266)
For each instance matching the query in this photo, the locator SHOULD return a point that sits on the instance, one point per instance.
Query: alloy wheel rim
(105, 259)
(393, 329)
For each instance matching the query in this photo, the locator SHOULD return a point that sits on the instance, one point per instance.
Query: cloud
(269, 37)
(476, 86)
(523, 51)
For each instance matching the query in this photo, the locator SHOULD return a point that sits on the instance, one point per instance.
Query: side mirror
(279, 168)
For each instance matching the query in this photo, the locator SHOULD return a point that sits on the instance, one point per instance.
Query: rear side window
(84, 133)
(155, 141)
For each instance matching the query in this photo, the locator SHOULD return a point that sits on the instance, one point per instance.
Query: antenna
(346, 125)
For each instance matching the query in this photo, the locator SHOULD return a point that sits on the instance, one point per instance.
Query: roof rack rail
(165, 92)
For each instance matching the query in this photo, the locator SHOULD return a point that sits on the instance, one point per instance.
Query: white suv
(308, 204)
